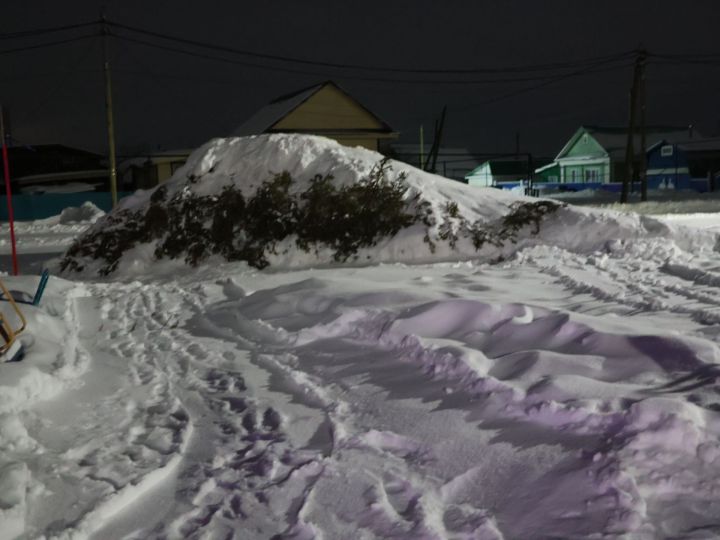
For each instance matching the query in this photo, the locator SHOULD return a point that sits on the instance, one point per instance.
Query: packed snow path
(382, 402)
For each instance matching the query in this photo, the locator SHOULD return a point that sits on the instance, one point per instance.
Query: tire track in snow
(631, 286)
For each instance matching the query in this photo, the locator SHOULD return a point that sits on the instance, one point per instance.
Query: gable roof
(272, 113)
(614, 139)
(698, 145)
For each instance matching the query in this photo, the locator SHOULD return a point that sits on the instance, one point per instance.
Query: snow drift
(567, 392)
(289, 201)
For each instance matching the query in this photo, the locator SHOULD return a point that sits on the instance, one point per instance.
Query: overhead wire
(344, 65)
(46, 30)
(46, 44)
(341, 76)
(532, 88)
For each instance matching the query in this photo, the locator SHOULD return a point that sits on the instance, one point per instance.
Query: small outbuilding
(496, 172)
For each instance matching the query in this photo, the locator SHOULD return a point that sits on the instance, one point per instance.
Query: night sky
(165, 99)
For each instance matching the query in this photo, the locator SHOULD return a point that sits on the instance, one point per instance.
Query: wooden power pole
(643, 149)
(629, 152)
(109, 115)
(431, 162)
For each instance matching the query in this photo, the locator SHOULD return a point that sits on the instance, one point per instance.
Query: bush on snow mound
(249, 228)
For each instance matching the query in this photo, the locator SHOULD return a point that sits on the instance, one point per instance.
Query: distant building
(596, 155)
(453, 163)
(500, 171)
(149, 170)
(324, 109)
(56, 168)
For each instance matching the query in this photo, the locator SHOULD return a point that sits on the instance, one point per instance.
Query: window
(667, 150)
(573, 175)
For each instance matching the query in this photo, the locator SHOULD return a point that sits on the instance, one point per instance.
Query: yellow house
(324, 109)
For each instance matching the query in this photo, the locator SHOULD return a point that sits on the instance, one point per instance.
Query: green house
(597, 154)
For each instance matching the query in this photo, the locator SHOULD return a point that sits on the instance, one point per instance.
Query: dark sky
(167, 100)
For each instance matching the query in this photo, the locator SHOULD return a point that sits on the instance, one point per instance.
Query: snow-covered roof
(546, 167)
(691, 145)
(274, 111)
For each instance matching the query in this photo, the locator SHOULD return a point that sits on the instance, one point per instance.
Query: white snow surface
(55, 233)
(567, 392)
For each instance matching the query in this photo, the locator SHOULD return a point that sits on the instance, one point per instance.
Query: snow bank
(440, 219)
(54, 363)
(87, 212)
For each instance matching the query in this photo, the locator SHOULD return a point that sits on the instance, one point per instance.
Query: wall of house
(669, 171)
(164, 171)
(548, 175)
(481, 176)
(586, 146)
(328, 109)
(369, 143)
(586, 173)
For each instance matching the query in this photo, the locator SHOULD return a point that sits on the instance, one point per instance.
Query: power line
(349, 77)
(47, 30)
(44, 45)
(665, 58)
(295, 60)
(542, 85)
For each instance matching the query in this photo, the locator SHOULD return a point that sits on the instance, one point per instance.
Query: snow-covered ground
(569, 391)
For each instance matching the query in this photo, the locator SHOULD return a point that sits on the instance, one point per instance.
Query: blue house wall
(667, 167)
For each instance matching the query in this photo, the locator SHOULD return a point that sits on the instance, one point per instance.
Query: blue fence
(30, 207)
(654, 182)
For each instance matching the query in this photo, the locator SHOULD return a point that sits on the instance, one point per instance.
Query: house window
(667, 150)
(573, 175)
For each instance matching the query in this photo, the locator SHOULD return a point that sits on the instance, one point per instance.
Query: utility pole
(629, 153)
(435, 148)
(643, 149)
(8, 192)
(109, 113)
(422, 148)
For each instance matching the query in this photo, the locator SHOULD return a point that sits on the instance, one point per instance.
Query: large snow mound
(291, 201)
